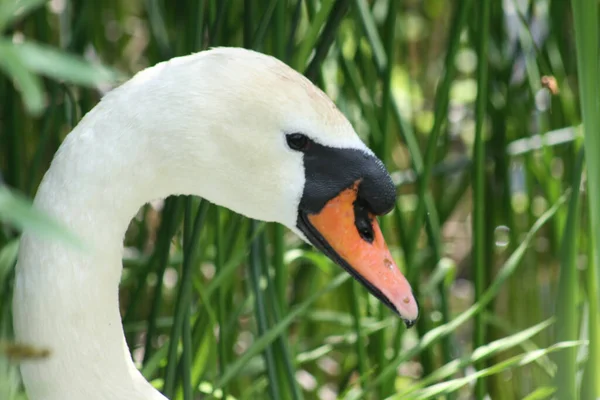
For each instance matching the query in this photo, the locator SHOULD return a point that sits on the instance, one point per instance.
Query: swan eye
(297, 141)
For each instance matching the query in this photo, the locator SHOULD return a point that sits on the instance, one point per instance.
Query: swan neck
(66, 300)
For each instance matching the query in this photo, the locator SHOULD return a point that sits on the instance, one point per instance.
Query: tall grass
(480, 272)
(585, 15)
(474, 106)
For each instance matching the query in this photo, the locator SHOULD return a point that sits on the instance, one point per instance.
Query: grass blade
(29, 84)
(327, 37)
(517, 361)
(47, 61)
(310, 37)
(11, 10)
(19, 212)
(259, 36)
(261, 313)
(567, 311)
(479, 182)
(585, 19)
(481, 353)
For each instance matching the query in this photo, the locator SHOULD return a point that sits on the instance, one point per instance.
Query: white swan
(236, 127)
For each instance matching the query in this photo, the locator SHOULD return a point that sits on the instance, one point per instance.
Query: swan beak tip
(409, 323)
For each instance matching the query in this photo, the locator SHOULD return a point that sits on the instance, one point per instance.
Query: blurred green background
(475, 106)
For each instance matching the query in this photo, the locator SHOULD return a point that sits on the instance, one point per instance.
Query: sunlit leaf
(541, 393)
(311, 36)
(479, 354)
(10, 10)
(451, 386)
(48, 61)
(29, 84)
(8, 256)
(20, 213)
(9, 380)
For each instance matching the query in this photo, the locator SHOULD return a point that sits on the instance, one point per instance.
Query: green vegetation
(482, 110)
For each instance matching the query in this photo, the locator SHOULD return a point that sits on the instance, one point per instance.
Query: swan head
(280, 150)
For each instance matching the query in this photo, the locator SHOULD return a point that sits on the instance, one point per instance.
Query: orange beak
(351, 236)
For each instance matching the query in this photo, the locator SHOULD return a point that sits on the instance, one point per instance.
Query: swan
(236, 127)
